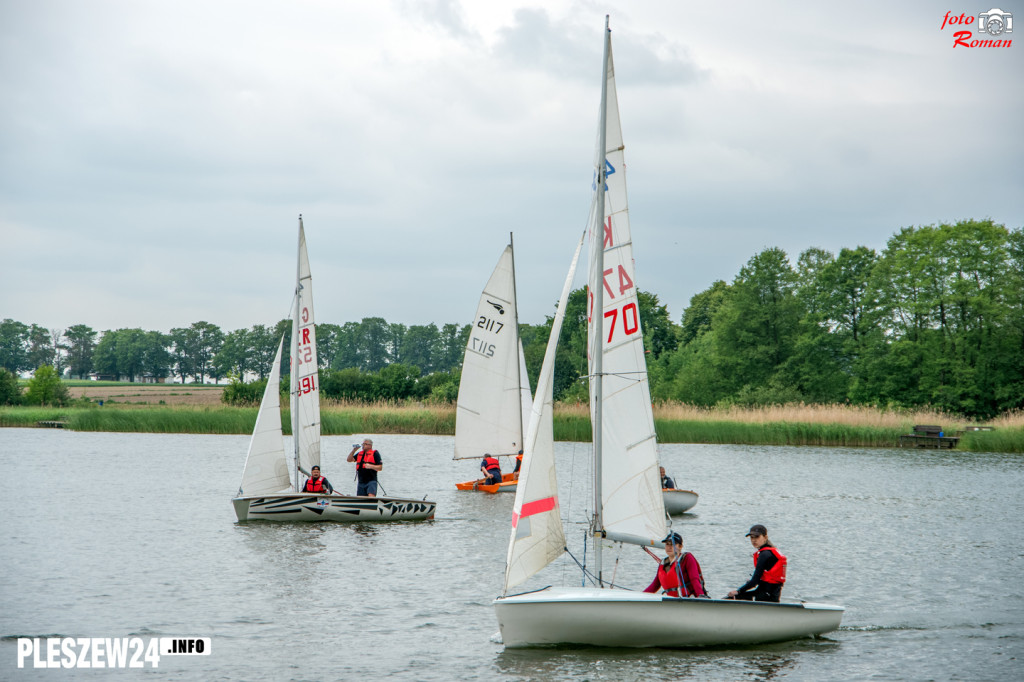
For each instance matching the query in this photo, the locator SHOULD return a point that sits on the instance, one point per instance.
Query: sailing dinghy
(267, 491)
(494, 392)
(628, 502)
(678, 501)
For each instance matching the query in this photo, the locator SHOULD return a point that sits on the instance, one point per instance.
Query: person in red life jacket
(679, 573)
(368, 463)
(769, 569)
(317, 483)
(519, 464)
(492, 470)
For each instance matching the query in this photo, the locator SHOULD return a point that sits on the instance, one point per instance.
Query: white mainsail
(489, 411)
(266, 469)
(631, 503)
(305, 382)
(537, 537)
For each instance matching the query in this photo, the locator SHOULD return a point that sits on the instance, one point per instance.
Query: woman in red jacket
(769, 569)
(679, 573)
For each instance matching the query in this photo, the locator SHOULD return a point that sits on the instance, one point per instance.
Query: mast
(598, 309)
(295, 354)
(515, 318)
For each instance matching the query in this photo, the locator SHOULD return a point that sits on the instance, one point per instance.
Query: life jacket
(365, 457)
(491, 463)
(672, 577)
(775, 575)
(315, 486)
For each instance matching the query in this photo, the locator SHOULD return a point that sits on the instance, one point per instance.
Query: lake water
(133, 535)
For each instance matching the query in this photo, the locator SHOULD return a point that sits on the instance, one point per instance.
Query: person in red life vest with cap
(368, 463)
(492, 470)
(317, 483)
(769, 569)
(679, 573)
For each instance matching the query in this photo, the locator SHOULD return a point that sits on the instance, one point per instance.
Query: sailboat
(494, 392)
(628, 505)
(268, 491)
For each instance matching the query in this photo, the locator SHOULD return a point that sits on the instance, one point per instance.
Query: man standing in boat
(368, 463)
(317, 483)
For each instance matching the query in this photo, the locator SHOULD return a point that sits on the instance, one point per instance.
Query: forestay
(305, 384)
(537, 537)
(631, 500)
(266, 469)
(489, 412)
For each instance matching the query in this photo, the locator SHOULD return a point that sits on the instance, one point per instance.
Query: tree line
(936, 319)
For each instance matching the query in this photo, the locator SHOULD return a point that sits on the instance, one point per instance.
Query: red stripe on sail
(536, 507)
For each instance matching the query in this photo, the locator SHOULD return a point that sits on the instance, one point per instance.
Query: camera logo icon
(995, 22)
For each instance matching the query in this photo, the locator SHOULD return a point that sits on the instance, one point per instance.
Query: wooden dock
(928, 436)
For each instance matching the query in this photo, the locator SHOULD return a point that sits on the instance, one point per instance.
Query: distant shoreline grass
(823, 425)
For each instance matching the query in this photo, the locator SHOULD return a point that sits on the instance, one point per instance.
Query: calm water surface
(117, 535)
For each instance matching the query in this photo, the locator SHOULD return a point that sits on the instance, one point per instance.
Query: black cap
(314, 467)
(676, 538)
(757, 529)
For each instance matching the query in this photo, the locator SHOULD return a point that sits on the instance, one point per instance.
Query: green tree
(14, 346)
(418, 346)
(41, 349)
(10, 391)
(328, 343)
(195, 348)
(46, 388)
(81, 342)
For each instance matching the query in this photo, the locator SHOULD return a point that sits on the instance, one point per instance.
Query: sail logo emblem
(992, 26)
(497, 306)
(609, 170)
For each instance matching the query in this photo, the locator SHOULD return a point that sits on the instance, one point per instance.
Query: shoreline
(831, 426)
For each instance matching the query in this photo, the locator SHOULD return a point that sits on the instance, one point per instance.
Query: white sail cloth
(266, 468)
(631, 501)
(537, 537)
(305, 382)
(489, 411)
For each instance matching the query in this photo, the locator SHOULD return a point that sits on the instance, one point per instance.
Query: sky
(155, 156)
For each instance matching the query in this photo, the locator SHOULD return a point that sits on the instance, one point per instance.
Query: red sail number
(630, 320)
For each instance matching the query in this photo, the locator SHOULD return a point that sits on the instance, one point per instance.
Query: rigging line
(593, 578)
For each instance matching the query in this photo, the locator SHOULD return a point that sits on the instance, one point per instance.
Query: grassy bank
(827, 425)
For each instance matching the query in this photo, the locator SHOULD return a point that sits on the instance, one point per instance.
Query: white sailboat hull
(345, 508)
(678, 501)
(620, 618)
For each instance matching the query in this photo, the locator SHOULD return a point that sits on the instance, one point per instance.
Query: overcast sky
(155, 156)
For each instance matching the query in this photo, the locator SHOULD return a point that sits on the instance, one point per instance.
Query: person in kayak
(769, 570)
(679, 573)
(492, 470)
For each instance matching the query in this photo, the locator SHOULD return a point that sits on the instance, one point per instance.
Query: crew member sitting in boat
(769, 569)
(666, 482)
(368, 463)
(679, 573)
(519, 465)
(492, 470)
(317, 483)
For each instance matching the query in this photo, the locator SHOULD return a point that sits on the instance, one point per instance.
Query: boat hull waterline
(678, 501)
(621, 618)
(344, 508)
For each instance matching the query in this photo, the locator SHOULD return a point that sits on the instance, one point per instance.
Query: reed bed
(828, 425)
